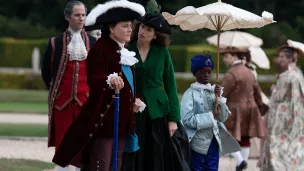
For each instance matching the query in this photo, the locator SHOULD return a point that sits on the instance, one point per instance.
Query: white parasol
(259, 57)
(238, 39)
(217, 16)
(297, 45)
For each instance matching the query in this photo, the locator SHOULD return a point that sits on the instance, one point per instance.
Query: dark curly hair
(161, 38)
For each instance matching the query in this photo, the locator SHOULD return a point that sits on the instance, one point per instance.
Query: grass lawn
(23, 101)
(23, 107)
(24, 165)
(24, 130)
(25, 96)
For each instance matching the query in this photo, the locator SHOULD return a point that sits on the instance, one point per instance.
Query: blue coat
(196, 110)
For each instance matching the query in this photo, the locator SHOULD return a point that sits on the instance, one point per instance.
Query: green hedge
(18, 53)
(21, 81)
(181, 56)
(12, 81)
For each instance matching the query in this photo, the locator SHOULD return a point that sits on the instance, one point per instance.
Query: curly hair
(161, 38)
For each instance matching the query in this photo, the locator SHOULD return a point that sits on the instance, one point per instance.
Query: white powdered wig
(103, 8)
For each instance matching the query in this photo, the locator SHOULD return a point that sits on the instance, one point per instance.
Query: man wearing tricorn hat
(109, 68)
(64, 73)
(244, 101)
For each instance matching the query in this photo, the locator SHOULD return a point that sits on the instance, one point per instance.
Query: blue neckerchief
(129, 75)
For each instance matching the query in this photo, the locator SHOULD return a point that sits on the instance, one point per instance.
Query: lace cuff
(142, 106)
(109, 79)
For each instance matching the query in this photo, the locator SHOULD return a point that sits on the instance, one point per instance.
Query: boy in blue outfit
(203, 121)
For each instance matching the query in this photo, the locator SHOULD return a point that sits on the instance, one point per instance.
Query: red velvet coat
(54, 71)
(97, 115)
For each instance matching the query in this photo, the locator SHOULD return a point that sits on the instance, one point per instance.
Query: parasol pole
(218, 28)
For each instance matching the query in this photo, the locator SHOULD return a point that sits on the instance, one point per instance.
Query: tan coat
(244, 100)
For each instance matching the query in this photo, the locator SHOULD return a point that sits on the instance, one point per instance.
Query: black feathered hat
(158, 22)
(154, 19)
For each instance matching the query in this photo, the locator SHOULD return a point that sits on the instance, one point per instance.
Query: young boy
(203, 121)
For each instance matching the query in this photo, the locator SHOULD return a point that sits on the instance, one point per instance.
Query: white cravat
(76, 48)
(127, 57)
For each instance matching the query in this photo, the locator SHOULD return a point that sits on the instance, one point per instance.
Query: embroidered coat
(197, 107)
(54, 68)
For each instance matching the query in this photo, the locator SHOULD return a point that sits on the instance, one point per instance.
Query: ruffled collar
(203, 87)
(126, 57)
(76, 48)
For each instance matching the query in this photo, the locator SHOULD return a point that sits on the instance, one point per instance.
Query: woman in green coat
(162, 139)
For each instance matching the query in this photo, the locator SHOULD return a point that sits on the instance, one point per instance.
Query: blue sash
(131, 144)
(129, 75)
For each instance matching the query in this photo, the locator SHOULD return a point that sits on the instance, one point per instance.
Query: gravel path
(23, 118)
(37, 150)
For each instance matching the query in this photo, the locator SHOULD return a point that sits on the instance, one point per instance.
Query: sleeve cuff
(109, 79)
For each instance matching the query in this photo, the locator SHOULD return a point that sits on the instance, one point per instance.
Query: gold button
(102, 115)
(108, 106)
(91, 135)
(113, 96)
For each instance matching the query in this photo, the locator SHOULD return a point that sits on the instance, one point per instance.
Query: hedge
(21, 81)
(18, 53)
(15, 81)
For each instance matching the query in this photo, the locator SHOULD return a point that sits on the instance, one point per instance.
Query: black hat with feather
(154, 19)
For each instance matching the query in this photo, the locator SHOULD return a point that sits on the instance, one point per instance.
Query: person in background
(244, 100)
(283, 147)
(64, 72)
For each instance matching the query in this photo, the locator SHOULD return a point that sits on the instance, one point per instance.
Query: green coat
(151, 76)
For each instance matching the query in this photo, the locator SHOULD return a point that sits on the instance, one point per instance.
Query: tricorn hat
(114, 11)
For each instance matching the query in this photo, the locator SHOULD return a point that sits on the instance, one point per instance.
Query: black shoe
(242, 166)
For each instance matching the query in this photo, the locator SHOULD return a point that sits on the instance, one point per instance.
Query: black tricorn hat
(114, 11)
(158, 22)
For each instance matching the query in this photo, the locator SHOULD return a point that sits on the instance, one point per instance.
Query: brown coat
(244, 100)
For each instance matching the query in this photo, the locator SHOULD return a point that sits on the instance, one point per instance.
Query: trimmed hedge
(18, 53)
(21, 81)
(12, 81)
(181, 56)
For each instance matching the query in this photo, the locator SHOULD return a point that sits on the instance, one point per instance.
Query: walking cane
(116, 122)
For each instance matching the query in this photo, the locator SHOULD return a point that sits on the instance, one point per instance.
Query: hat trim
(103, 8)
